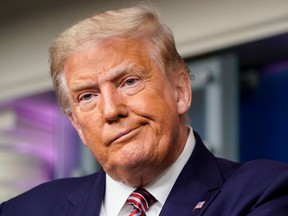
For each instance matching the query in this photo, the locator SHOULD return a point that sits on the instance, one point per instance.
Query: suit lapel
(86, 200)
(199, 181)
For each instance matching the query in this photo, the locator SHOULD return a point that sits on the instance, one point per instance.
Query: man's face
(126, 110)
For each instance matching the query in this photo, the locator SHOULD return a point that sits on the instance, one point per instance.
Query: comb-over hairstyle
(140, 22)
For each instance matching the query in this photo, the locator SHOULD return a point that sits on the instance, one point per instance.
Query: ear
(76, 125)
(184, 93)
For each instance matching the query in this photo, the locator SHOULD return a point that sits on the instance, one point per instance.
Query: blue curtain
(264, 117)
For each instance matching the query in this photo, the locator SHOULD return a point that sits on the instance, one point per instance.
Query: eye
(131, 84)
(86, 97)
(131, 81)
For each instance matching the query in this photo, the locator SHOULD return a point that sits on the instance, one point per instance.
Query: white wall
(199, 26)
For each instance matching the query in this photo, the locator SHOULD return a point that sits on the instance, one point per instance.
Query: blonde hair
(137, 22)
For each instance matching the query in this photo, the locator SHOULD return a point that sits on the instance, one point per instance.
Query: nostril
(115, 118)
(111, 118)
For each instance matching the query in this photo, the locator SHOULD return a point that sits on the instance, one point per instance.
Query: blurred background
(237, 50)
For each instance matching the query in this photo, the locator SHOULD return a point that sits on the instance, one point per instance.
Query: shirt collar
(116, 193)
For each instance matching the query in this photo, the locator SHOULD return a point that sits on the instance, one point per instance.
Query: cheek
(95, 140)
(91, 134)
(158, 99)
(91, 128)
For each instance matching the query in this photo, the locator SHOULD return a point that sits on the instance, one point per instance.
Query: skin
(128, 112)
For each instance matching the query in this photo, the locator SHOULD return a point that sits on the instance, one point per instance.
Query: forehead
(108, 54)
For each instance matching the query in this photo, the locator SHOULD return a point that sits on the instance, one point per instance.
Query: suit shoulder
(265, 168)
(261, 174)
(46, 195)
(61, 186)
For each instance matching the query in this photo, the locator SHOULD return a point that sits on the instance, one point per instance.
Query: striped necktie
(141, 200)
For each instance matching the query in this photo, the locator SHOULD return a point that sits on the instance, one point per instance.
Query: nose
(113, 105)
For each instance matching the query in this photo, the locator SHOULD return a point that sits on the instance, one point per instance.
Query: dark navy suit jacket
(257, 188)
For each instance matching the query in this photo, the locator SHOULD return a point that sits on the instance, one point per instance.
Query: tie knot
(141, 201)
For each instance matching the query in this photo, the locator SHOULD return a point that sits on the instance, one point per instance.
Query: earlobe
(184, 93)
(77, 127)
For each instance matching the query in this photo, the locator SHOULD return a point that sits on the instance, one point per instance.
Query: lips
(126, 134)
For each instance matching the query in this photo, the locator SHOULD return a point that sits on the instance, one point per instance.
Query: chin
(131, 164)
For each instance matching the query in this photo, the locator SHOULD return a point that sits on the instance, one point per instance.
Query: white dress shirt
(116, 193)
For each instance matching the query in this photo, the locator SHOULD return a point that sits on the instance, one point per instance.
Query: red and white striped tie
(141, 201)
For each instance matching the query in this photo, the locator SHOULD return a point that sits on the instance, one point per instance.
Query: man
(126, 90)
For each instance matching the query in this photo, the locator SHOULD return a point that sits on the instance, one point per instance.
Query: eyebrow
(82, 86)
(112, 74)
(120, 70)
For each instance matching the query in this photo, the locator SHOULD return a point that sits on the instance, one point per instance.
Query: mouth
(126, 135)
